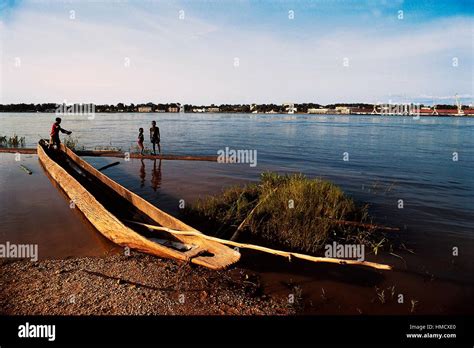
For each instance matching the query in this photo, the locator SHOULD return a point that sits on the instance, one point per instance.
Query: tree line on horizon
(244, 108)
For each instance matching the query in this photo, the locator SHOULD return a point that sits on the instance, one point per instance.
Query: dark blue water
(389, 159)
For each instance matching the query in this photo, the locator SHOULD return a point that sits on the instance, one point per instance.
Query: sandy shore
(134, 285)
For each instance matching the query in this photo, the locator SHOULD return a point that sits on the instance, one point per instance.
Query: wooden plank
(286, 254)
(118, 154)
(17, 150)
(137, 155)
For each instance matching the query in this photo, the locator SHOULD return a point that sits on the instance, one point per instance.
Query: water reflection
(35, 210)
(142, 173)
(155, 174)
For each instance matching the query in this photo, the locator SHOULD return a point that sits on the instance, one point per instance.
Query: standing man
(54, 136)
(155, 137)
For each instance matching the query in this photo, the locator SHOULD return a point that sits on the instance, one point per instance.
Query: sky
(210, 51)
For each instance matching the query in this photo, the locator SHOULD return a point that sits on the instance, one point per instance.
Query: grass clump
(72, 143)
(288, 211)
(136, 149)
(13, 141)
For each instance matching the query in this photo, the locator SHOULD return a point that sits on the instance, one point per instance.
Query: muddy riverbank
(258, 285)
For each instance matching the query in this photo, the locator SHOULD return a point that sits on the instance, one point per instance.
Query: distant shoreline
(380, 109)
(248, 113)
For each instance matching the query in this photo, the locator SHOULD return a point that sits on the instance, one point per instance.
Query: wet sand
(35, 211)
(130, 285)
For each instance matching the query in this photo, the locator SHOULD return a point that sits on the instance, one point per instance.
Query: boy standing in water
(54, 136)
(155, 137)
(141, 138)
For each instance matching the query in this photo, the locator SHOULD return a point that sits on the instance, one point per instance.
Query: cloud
(192, 60)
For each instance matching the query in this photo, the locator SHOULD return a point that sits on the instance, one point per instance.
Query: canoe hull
(205, 253)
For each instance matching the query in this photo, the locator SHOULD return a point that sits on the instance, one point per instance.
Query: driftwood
(108, 166)
(26, 169)
(268, 250)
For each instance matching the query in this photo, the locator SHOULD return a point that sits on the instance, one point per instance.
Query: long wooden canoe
(108, 206)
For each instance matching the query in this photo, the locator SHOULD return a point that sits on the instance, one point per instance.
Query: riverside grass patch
(13, 141)
(286, 211)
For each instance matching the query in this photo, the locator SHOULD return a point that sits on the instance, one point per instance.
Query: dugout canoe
(109, 207)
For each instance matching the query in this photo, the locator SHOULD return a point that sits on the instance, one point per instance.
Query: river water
(416, 174)
(387, 158)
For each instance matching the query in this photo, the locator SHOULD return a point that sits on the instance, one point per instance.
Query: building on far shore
(361, 111)
(144, 109)
(213, 109)
(343, 110)
(173, 109)
(318, 111)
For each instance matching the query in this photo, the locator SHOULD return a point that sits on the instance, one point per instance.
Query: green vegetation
(72, 143)
(14, 141)
(107, 148)
(136, 149)
(286, 211)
